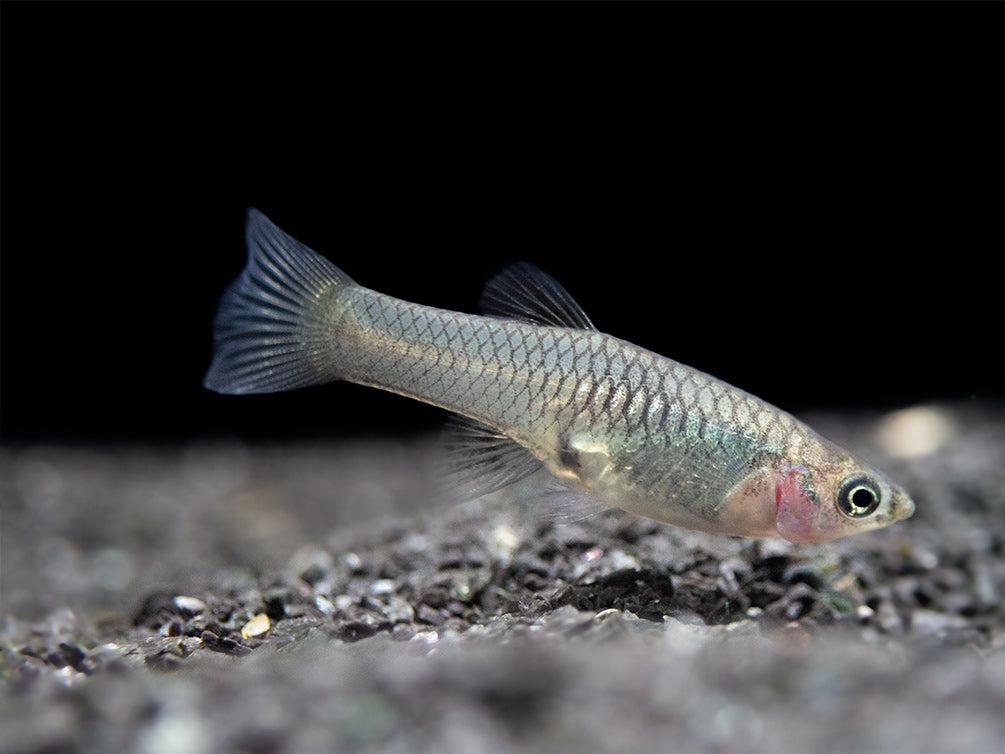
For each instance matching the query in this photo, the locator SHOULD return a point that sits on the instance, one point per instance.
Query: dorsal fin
(524, 292)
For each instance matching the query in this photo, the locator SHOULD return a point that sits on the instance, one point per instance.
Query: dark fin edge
(270, 331)
(526, 293)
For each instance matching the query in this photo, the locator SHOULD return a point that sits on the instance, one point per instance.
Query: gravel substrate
(222, 598)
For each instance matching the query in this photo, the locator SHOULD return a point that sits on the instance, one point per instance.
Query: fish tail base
(273, 331)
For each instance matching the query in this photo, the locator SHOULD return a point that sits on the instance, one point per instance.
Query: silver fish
(541, 386)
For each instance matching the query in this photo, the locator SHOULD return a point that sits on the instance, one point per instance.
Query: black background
(802, 199)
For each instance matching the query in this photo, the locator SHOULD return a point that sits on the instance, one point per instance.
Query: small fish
(539, 385)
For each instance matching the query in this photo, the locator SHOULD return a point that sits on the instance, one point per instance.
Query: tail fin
(271, 331)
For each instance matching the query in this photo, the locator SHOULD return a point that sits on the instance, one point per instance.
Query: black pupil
(861, 498)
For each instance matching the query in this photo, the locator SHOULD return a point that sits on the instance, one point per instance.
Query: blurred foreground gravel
(227, 598)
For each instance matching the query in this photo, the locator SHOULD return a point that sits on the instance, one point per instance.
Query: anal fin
(479, 459)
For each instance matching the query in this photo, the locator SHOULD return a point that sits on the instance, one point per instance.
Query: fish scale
(541, 386)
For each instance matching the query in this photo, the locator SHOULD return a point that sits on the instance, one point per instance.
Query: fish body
(539, 385)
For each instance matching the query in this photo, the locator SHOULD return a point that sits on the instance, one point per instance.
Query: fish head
(834, 496)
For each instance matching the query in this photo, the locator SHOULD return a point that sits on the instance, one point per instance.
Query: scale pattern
(546, 386)
(626, 426)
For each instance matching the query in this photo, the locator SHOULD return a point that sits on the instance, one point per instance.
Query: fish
(536, 385)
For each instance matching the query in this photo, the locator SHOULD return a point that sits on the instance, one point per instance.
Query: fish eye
(858, 496)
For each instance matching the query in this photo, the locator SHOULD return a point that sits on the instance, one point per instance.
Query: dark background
(802, 199)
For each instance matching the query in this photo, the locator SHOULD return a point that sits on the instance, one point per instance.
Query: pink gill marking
(793, 506)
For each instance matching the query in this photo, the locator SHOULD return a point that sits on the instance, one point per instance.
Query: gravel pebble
(213, 600)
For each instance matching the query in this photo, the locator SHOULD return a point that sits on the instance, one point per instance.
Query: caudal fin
(271, 331)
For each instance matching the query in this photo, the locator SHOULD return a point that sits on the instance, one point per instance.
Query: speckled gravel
(223, 598)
